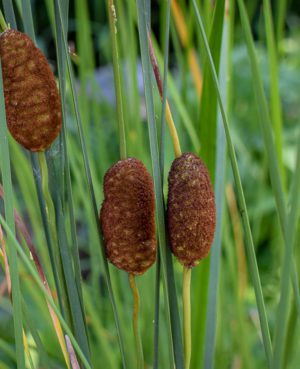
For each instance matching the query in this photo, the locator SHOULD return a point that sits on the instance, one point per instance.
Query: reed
(134, 121)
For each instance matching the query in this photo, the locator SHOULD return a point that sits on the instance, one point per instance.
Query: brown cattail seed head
(32, 100)
(127, 216)
(191, 210)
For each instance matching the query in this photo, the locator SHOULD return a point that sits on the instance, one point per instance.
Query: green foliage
(251, 85)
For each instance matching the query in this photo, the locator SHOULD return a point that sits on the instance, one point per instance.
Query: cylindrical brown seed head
(127, 216)
(191, 210)
(32, 102)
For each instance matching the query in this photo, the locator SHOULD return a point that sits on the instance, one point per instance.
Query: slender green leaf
(43, 289)
(90, 183)
(287, 225)
(113, 19)
(242, 205)
(162, 157)
(9, 215)
(275, 103)
(215, 258)
(9, 13)
(166, 257)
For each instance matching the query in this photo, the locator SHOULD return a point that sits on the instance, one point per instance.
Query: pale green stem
(3, 25)
(117, 76)
(135, 322)
(50, 211)
(186, 295)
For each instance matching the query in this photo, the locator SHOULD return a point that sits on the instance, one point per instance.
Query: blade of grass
(215, 258)
(287, 225)
(9, 214)
(184, 38)
(70, 269)
(281, 6)
(162, 156)
(9, 13)
(242, 203)
(42, 288)
(73, 297)
(186, 119)
(275, 102)
(282, 313)
(73, 308)
(58, 330)
(44, 358)
(117, 77)
(207, 121)
(166, 258)
(27, 18)
(51, 221)
(167, 112)
(62, 87)
(29, 29)
(90, 184)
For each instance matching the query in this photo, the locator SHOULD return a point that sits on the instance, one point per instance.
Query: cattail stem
(187, 343)
(135, 318)
(169, 118)
(117, 76)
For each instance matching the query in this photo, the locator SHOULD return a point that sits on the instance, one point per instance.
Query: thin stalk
(50, 211)
(9, 13)
(27, 14)
(220, 178)
(169, 118)
(43, 289)
(162, 161)
(187, 341)
(164, 91)
(281, 12)
(171, 303)
(88, 176)
(287, 222)
(242, 203)
(135, 322)
(117, 76)
(275, 103)
(3, 24)
(9, 215)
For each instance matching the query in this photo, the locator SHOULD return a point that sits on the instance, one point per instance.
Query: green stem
(135, 321)
(43, 289)
(186, 296)
(9, 216)
(3, 25)
(117, 76)
(49, 204)
(50, 211)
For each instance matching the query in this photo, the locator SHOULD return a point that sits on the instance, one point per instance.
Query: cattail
(127, 216)
(191, 210)
(32, 100)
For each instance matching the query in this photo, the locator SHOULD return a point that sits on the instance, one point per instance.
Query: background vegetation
(244, 309)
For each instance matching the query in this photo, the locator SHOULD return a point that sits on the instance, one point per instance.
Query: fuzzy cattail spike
(127, 216)
(32, 100)
(191, 210)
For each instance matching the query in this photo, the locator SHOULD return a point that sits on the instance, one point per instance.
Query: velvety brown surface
(191, 209)
(127, 216)
(32, 100)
